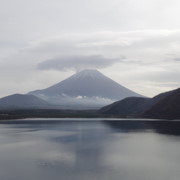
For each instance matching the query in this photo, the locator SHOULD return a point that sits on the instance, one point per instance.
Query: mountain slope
(149, 107)
(166, 108)
(85, 87)
(21, 101)
(127, 107)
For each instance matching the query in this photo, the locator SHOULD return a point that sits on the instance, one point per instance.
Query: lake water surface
(85, 149)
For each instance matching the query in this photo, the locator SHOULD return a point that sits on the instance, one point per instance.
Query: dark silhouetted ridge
(163, 106)
(127, 107)
(166, 108)
(20, 100)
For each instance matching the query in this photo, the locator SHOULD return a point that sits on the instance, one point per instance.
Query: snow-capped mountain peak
(87, 73)
(91, 85)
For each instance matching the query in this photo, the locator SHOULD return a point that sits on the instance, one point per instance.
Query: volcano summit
(88, 89)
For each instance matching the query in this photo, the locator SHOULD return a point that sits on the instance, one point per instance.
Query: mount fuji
(85, 89)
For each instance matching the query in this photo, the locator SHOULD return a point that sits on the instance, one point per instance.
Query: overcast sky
(134, 42)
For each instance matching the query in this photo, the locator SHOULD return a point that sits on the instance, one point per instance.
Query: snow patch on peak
(90, 73)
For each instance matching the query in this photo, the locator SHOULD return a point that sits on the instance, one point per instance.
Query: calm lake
(89, 149)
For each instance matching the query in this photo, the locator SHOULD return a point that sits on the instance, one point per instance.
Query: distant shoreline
(54, 113)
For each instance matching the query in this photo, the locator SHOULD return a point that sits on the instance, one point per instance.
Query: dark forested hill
(127, 107)
(21, 101)
(166, 108)
(163, 106)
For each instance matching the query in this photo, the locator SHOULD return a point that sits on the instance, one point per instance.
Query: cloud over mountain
(78, 62)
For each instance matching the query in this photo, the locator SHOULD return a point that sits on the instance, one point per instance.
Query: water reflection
(159, 126)
(84, 149)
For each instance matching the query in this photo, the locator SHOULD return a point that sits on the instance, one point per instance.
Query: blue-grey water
(84, 149)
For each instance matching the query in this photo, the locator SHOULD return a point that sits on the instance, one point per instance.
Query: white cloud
(151, 57)
(78, 63)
